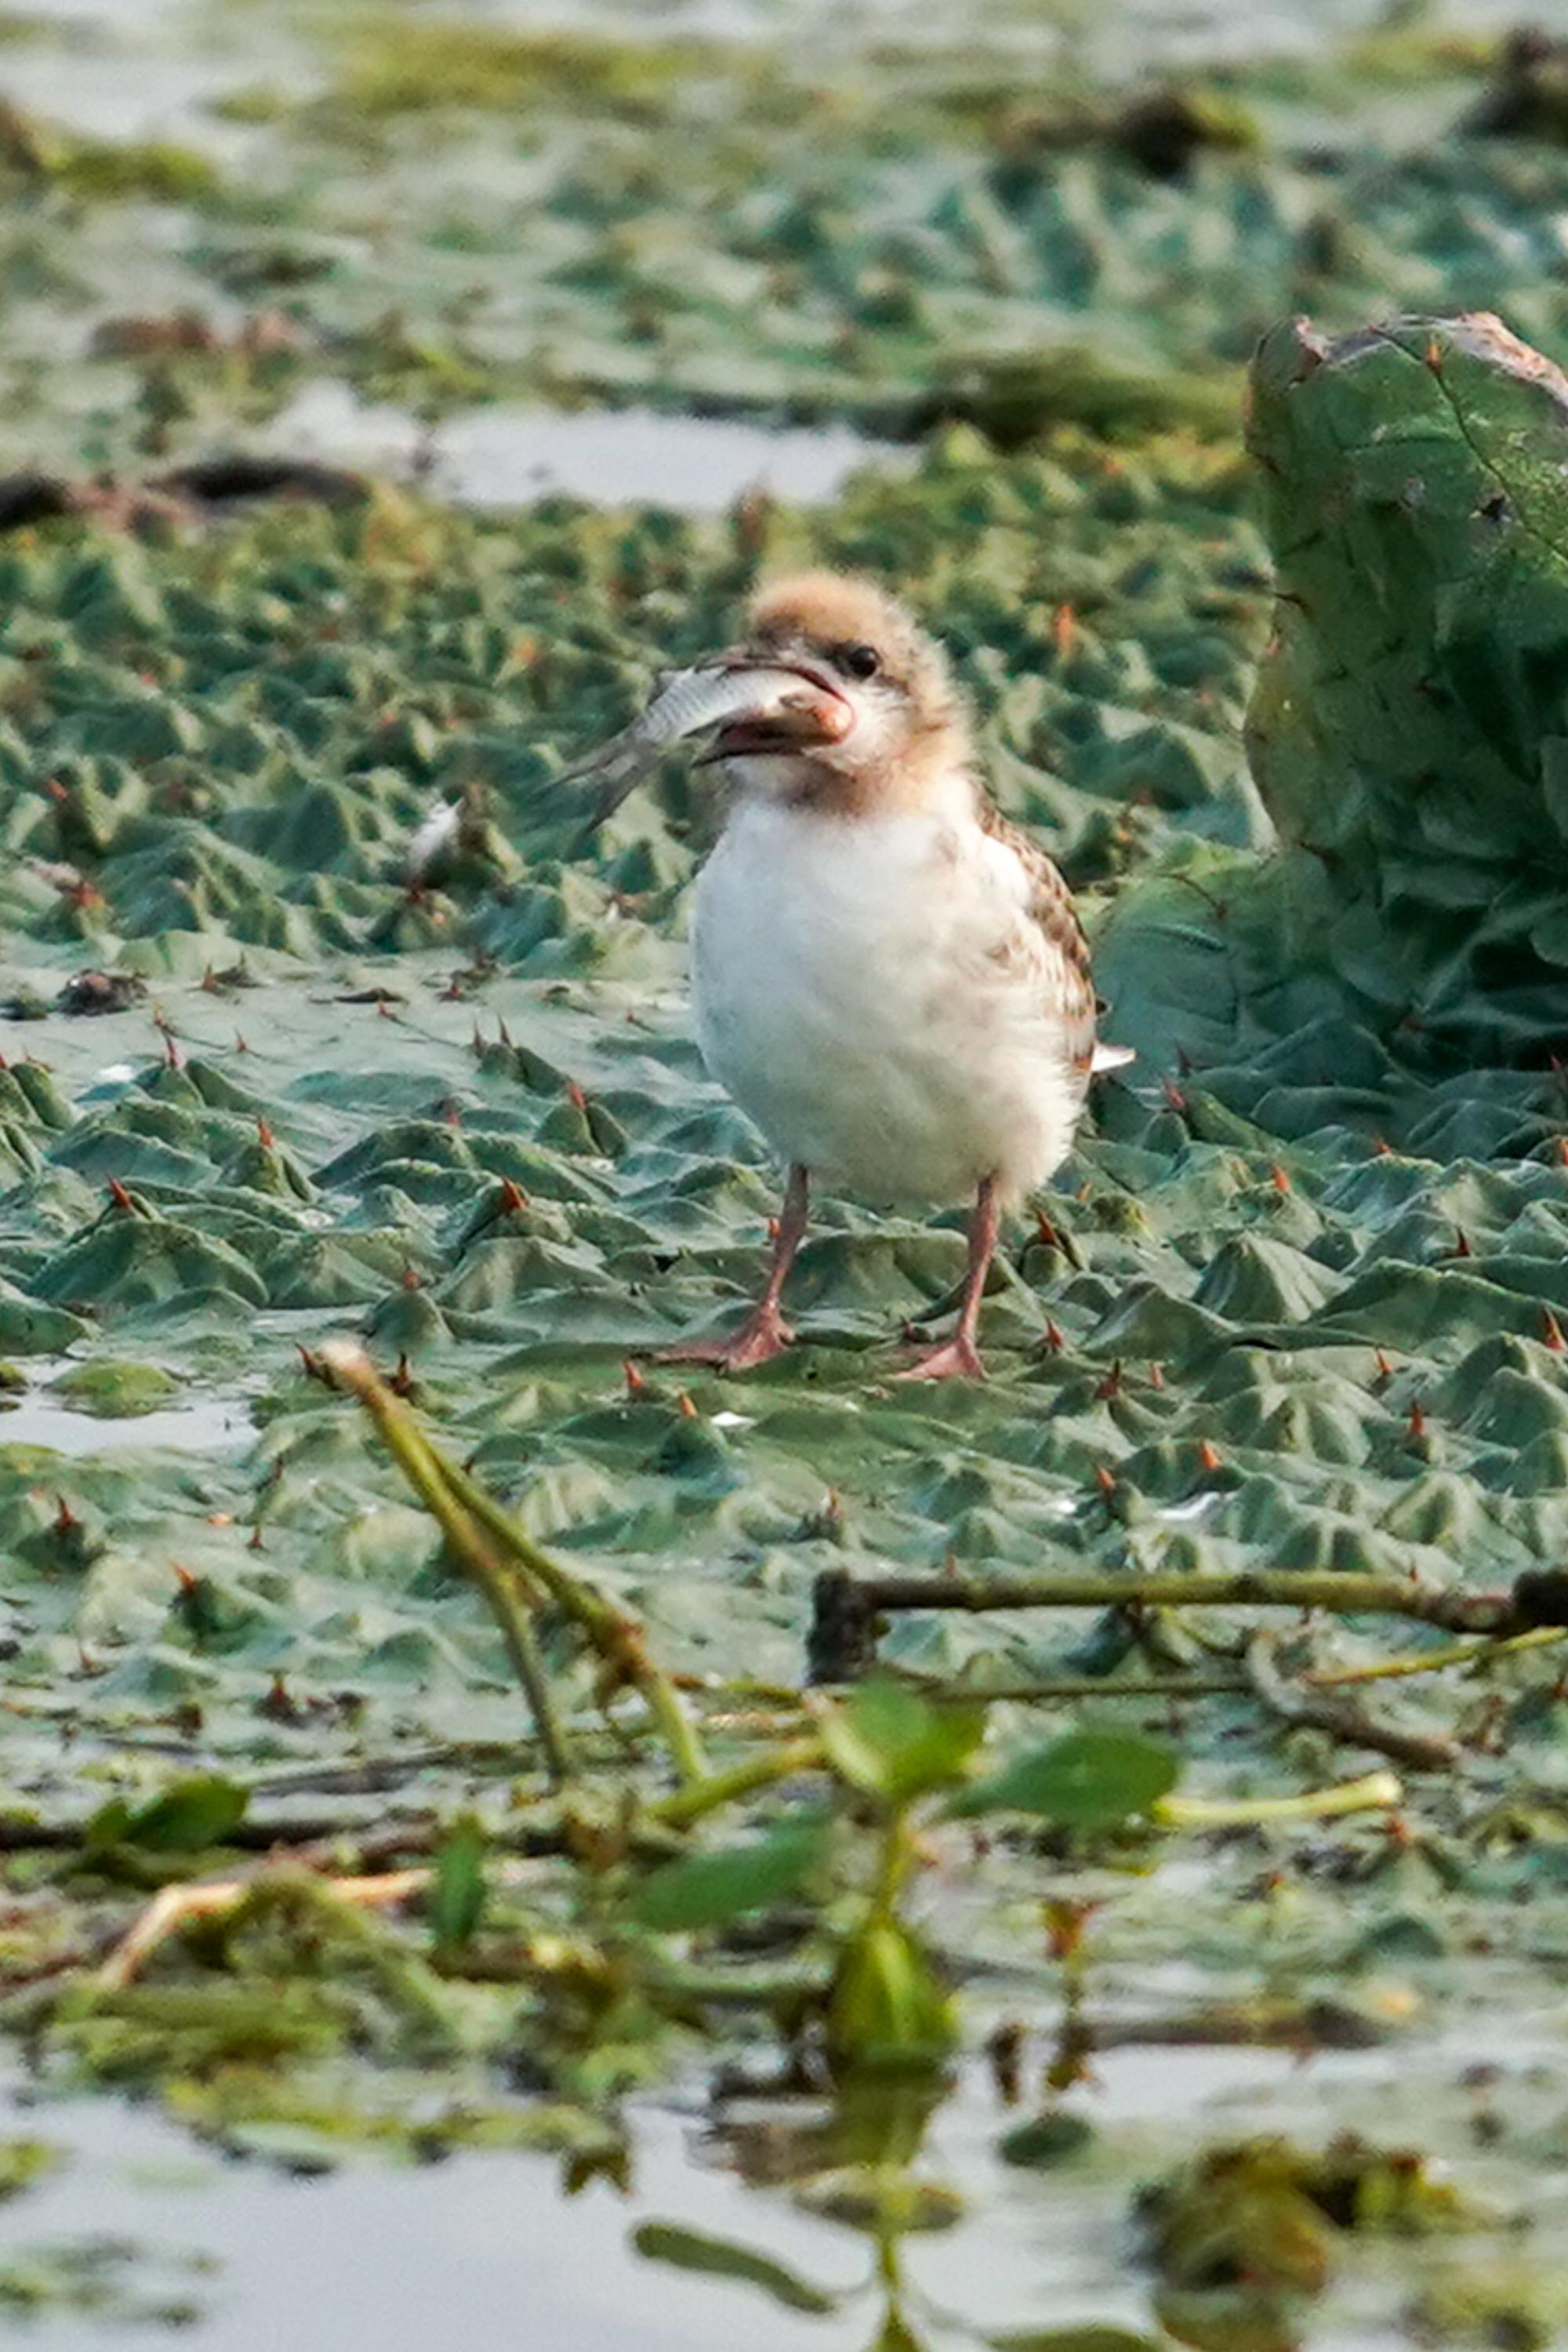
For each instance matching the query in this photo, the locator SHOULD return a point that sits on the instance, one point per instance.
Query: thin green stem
(509, 1595)
(1054, 1688)
(1376, 1792)
(894, 1862)
(618, 1638)
(457, 1500)
(719, 1788)
(680, 1737)
(1432, 1662)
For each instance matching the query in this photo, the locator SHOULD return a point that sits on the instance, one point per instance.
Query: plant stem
(1049, 1689)
(619, 1639)
(1377, 1793)
(459, 1500)
(1432, 1662)
(1339, 1716)
(843, 1638)
(893, 1864)
(509, 1596)
(1054, 1688)
(693, 1803)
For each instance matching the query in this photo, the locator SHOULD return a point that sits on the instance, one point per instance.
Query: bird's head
(893, 726)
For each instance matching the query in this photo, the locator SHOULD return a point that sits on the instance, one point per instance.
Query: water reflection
(770, 2213)
(787, 2223)
(206, 1424)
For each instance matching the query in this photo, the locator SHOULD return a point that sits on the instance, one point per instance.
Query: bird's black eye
(859, 661)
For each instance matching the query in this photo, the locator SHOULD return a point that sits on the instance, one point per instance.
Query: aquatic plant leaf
(703, 1890)
(458, 1889)
(102, 2280)
(888, 2012)
(890, 1743)
(1265, 2214)
(1045, 2140)
(1085, 1780)
(191, 1813)
(709, 2257)
(115, 1390)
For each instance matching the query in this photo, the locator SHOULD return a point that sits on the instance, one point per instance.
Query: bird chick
(888, 976)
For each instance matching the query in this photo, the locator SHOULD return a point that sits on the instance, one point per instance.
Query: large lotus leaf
(1254, 1279)
(1412, 709)
(29, 1327)
(129, 1261)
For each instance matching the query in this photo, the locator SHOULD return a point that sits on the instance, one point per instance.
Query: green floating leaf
(1085, 1780)
(894, 1745)
(190, 1814)
(692, 2250)
(703, 1890)
(1045, 2140)
(117, 1391)
(458, 1889)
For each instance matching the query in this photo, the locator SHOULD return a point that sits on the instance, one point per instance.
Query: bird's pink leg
(957, 1358)
(765, 1332)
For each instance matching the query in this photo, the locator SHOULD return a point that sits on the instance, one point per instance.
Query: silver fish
(695, 702)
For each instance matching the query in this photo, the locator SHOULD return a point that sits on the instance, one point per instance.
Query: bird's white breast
(869, 989)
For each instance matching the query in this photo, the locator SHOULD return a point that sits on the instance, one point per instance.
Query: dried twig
(846, 1607)
(174, 1907)
(1339, 1716)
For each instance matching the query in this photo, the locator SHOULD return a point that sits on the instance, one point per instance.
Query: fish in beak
(745, 701)
(804, 716)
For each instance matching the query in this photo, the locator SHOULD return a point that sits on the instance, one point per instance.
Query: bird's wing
(1058, 948)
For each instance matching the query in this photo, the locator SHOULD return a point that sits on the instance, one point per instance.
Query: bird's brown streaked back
(1065, 974)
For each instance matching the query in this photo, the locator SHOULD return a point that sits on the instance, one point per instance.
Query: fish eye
(858, 661)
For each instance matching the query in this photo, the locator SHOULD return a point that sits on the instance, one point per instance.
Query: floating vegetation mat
(409, 1746)
(1031, 218)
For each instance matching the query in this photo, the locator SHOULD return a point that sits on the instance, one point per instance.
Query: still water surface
(486, 2250)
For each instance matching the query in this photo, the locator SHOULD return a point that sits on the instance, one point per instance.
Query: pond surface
(467, 1123)
(208, 1424)
(505, 456)
(489, 2249)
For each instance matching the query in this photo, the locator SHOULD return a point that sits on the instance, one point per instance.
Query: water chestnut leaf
(893, 1744)
(704, 1890)
(1085, 1780)
(693, 2249)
